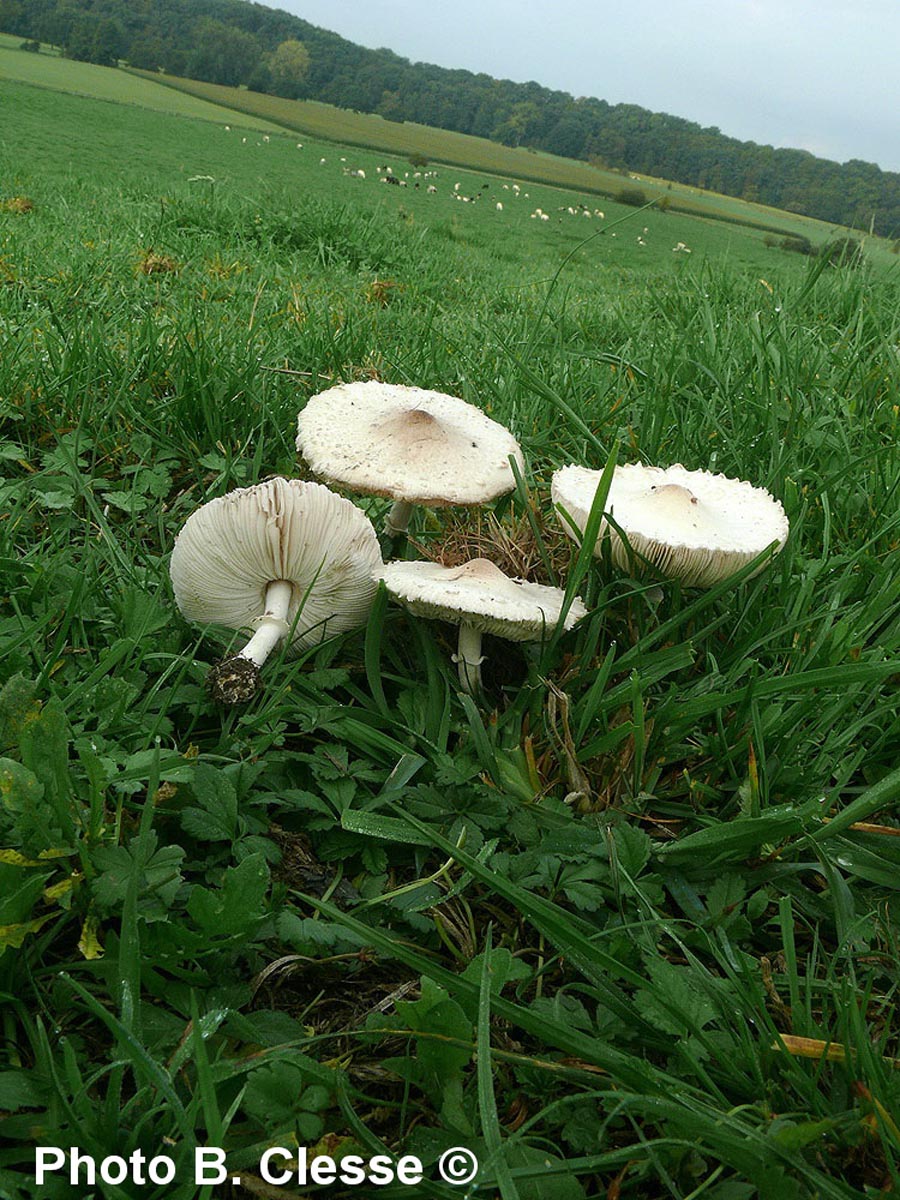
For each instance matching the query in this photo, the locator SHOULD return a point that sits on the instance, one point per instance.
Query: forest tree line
(238, 43)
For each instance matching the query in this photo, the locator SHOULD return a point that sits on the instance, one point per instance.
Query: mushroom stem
(236, 679)
(397, 520)
(273, 624)
(469, 658)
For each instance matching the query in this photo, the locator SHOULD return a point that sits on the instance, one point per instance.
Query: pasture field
(84, 79)
(627, 926)
(369, 131)
(185, 97)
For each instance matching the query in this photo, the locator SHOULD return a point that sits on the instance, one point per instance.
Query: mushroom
(692, 525)
(415, 446)
(287, 558)
(479, 598)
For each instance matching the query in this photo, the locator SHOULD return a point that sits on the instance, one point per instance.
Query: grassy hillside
(84, 79)
(362, 131)
(625, 925)
(368, 131)
(139, 149)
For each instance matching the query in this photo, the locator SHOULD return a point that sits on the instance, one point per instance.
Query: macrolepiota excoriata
(286, 559)
(479, 598)
(412, 445)
(693, 526)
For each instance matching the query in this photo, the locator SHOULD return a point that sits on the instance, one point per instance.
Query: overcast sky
(820, 75)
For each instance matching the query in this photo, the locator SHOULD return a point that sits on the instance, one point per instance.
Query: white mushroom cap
(232, 548)
(692, 525)
(413, 445)
(479, 594)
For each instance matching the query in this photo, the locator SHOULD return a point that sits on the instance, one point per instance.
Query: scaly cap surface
(407, 443)
(479, 594)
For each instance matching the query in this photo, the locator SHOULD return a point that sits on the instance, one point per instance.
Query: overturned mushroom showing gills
(691, 525)
(479, 598)
(284, 558)
(415, 446)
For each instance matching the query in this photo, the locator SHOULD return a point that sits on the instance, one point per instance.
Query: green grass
(84, 79)
(372, 132)
(185, 97)
(573, 929)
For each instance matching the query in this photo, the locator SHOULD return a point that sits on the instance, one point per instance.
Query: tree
(222, 54)
(79, 43)
(11, 17)
(567, 137)
(151, 53)
(108, 44)
(390, 106)
(519, 125)
(289, 66)
(55, 25)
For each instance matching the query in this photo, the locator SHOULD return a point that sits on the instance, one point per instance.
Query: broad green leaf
(216, 819)
(20, 789)
(159, 875)
(237, 905)
(21, 1089)
(18, 706)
